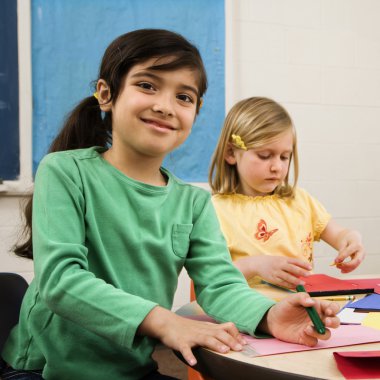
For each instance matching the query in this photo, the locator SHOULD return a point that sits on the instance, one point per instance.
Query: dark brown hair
(85, 126)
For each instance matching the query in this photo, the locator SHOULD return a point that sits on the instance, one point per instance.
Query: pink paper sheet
(345, 335)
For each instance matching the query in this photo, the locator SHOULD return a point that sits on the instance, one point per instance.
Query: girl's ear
(104, 95)
(229, 155)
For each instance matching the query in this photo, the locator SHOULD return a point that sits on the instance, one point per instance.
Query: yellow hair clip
(238, 142)
(96, 95)
(200, 103)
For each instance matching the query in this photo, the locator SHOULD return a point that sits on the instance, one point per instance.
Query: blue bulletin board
(9, 103)
(69, 38)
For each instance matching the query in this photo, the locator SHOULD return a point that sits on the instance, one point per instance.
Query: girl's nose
(163, 105)
(275, 165)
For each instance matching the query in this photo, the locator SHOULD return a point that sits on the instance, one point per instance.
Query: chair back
(12, 291)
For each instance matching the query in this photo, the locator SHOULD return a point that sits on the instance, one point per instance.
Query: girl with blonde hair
(269, 223)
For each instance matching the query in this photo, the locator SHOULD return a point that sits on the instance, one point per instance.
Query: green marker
(317, 322)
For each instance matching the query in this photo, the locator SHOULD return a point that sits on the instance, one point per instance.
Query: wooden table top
(312, 364)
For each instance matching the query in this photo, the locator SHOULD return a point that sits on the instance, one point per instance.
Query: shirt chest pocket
(181, 239)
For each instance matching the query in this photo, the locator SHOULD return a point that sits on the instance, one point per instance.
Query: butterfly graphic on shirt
(262, 231)
(307, 247)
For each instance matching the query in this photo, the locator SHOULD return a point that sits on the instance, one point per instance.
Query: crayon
(317, 322)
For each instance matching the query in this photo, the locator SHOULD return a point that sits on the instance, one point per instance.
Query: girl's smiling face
(155, 110)
(262, 169)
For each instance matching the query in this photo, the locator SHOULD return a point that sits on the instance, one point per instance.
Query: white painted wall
(321, 60)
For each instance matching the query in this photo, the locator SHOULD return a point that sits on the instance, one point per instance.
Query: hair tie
(238, 142)
(96, 95)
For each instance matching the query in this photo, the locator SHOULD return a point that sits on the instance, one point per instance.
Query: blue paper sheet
(369, 303)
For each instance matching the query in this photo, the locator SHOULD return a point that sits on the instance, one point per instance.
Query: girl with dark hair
(112, 230)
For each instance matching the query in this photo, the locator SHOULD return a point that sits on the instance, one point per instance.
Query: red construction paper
(358, 364)
(323, 285)
(368, 283)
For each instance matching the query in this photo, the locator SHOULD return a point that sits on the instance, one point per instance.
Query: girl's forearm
(155, 322)
(333, 234)
(248, 266)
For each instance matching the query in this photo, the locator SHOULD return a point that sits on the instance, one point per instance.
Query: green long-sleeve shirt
(108, 249)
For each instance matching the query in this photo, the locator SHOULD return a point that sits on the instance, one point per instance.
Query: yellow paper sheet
(372, 320)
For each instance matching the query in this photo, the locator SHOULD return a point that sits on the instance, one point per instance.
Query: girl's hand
(350, 246)
(182, 334)
(289, 321)
(277, 270)
(348, 243)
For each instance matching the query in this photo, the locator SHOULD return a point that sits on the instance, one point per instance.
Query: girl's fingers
(300, 264)
(221, 338)
(330, 309)
(354, 251)
(285, 280)
(235, 339)
(332, 322)
(295, 271)
(311, 336)
(227, 340)
(289, 281)
(288, 285)
(215, 344)
(231, 329)
(188, 356)
(349, 266)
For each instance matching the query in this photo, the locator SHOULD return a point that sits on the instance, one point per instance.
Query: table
(314, 364)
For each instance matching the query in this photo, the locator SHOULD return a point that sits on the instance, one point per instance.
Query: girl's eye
(264, 156)
(185, 98)
(285, 158)
(146, 85)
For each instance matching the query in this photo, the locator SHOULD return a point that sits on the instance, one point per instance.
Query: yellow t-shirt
(271, 225)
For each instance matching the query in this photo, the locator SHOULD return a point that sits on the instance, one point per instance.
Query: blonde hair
(257, 121)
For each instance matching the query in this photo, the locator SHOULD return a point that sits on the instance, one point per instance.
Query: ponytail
(84, 127)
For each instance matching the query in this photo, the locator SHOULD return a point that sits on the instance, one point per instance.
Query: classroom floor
(169, 364)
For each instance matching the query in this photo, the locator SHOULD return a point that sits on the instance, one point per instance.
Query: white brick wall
(321, 60)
